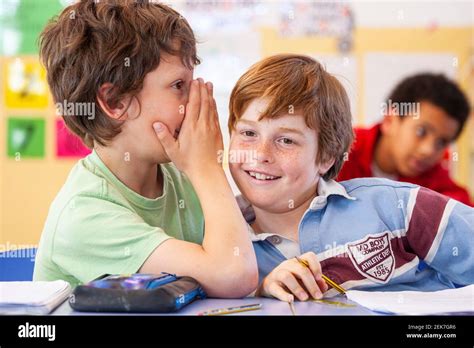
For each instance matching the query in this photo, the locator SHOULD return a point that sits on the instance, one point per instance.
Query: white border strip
(441, 229)
(410, 206)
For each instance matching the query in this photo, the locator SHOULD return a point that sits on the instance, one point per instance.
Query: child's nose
(264, 153)
(428, 148)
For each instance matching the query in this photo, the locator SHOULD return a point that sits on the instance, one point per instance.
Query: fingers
(315, 267)
(212, 105)
(276, 290)
(212, 102)
(194, 103)
(322, 285)
(213, 117)
(167, 140)
(288, 279)
(306, 277)
(210, 89)
(204, 110)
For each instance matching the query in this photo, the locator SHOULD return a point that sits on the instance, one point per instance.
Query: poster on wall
(318, 19)
(68, 145)
(25, 137)
(22, 22)
(25, 84)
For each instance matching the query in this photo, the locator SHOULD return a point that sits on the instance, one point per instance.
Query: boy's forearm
(226, 232)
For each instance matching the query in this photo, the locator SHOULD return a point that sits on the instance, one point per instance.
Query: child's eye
(286, 141)
(248, 133)
(420, 132)
(178, 85)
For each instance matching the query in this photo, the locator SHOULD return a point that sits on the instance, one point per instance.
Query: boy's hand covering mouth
(195, 147)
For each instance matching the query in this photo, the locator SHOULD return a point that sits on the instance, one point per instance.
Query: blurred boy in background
(424, 114)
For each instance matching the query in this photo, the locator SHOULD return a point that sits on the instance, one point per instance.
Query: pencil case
(139, 293)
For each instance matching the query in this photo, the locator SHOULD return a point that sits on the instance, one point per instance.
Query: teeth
(260, 176)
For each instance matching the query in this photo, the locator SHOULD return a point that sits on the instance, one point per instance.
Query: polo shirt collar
(325, 189)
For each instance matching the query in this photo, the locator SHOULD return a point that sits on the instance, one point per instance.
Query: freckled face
(278, 172)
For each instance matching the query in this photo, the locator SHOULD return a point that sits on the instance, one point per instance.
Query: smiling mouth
(262, 177)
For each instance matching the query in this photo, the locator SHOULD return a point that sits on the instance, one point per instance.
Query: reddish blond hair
(298, 82)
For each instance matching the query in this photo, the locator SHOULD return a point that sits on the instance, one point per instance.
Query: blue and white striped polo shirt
(378, 234)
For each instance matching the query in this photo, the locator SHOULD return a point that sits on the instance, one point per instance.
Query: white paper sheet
(459, 300)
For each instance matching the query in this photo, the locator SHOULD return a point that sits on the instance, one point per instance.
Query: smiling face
(417, 144)
(277, 171)
(163, 98)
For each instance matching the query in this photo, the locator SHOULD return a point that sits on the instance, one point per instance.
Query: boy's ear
(114, 110)
(325, 166)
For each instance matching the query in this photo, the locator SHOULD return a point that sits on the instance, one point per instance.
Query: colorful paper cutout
(25, 84)
(23, 21)
(67, 143)
(25, 137)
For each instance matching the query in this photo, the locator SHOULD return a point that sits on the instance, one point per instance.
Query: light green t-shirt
(97, 225)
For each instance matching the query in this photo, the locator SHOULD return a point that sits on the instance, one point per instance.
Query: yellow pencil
(334, 285)
(231, 310)
(292, 307)
(329, 281)
(334, 303)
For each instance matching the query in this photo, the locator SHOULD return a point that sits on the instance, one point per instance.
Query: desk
(269, 307)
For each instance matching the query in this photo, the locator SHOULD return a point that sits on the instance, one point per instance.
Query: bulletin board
(36, 150)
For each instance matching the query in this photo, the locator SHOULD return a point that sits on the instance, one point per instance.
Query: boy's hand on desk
(290, 278)
(196, 149)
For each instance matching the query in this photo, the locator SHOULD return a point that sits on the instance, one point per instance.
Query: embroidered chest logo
(373, 257)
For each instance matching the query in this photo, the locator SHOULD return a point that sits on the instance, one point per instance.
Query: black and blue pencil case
(136, 293)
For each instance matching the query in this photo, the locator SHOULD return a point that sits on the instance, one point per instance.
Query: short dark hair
(436, 89)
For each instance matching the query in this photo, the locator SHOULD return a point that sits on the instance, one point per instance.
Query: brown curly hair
(90, 43)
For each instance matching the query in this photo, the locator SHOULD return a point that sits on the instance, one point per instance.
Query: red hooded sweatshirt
(360, 161)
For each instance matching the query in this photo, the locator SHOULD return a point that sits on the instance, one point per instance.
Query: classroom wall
(455, 41)
(28, 185)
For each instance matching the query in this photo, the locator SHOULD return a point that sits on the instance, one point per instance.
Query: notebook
(455, 301)
(32, 298)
